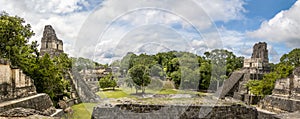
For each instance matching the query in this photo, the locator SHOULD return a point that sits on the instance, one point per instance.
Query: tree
(223, 63)
(107, 82)
(14, 36)
(292, 58)
(140, 76)
(157, 71)
(266, 85)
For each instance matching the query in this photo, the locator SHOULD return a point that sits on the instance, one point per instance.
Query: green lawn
(120, 93)
(82, 111)
(107, 93)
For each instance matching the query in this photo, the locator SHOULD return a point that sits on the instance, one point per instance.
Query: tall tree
(292, 58)
(14, 35)
(140, 76)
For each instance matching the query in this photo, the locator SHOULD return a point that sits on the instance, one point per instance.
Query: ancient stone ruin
(285, 95)
(14, 83)
(18, 96)
(92, 76)
(259, 62)
(254, 68)
(50, 43)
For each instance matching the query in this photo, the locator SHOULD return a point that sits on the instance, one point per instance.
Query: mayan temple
(50, 43)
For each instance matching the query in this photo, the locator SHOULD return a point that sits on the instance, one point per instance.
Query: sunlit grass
(109, 93)
(82, 111)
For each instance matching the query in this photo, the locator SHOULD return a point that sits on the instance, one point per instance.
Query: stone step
(229, 83)
(38, 102)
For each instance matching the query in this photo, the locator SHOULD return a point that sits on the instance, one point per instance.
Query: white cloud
(60, 14)
(284, 27)
(81, 29)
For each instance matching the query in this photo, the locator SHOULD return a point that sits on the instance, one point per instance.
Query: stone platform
(137, 111)
(39, 102)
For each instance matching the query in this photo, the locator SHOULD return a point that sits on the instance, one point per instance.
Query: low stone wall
(279, 104)
(136, 111)
(40, 102)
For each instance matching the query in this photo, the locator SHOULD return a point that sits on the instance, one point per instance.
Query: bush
(107, 82)
(168, 85)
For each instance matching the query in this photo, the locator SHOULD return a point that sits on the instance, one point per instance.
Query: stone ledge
(40, 102)
(136, 111)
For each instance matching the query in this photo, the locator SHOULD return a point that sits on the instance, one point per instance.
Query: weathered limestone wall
(282, 87)
(40, 102)
(14, 83)
(279, 104)
(285, 95)
(135, 111)
(50, 43)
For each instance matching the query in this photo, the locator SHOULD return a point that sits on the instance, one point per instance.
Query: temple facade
(50, 43)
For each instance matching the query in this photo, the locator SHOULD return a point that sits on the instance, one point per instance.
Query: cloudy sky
(105, 30)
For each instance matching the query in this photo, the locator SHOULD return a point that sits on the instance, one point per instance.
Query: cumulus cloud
(97, 32)
(62, 15)
(192, 20)
(284, 27)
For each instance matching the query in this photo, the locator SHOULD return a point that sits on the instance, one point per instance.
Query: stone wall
(260, 51)
(285, 95)
(50, 43)
(40, 102)
(136, 111)
(279, 104)
(14, 83)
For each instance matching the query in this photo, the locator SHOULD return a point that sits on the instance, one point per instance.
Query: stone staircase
(40, 102)
(230, 83)
(83, 90)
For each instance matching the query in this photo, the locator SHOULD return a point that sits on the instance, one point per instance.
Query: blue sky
(104, 30)
(256, 12)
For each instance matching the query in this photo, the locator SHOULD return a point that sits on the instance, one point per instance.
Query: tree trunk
(143, 90)
(218, 84)
(136, 90)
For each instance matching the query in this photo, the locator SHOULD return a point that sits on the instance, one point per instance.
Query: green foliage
(155, 84)
(107, 82)
(223, 63)
(168, 85)
(14, 38)
(140, 76)
(14, 35)
(266, 85)
(292, 58)
(83, 63)
(48, 74)
(185, 69)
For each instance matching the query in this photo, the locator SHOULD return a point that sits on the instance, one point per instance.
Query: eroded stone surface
(14, 83)
(50, 43)
(136, 111)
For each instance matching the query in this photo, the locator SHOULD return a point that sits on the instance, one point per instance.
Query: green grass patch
(168, 91)
(82, 110)
(117, 93)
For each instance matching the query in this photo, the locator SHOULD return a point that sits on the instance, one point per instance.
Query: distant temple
(50, 43)
(254, 69)
(259, 62)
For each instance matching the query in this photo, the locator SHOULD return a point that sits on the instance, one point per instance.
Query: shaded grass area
(82, 111)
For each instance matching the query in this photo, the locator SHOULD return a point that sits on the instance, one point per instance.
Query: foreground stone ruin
(285, 96)
(19, 97)
(137, 111)
(14, 83)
